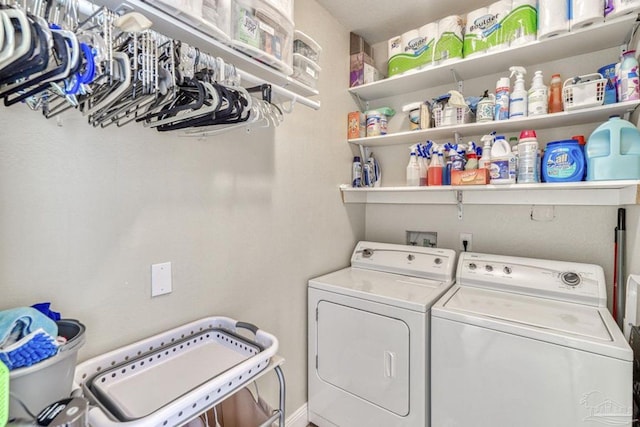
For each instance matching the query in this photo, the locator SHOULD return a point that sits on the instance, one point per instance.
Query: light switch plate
(161, 279)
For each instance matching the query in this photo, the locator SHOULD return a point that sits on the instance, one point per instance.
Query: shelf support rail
(459, 203)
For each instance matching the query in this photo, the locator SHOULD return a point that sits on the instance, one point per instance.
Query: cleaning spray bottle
(448, 152)
(485, 160)
(422, 162)
(413, 169)
(472, 157)
(502, 99)
(518, 99)
(538, 96)
(435, 167)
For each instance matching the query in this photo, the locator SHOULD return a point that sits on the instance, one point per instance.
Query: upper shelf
(545, 121)
(180, 27)
(585, 193)
(589, 39)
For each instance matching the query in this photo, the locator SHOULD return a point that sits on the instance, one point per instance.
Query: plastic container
(563, 161)
(528, 167)
(584, 91)
(538, 96)
(628, 79)
(305, 70)
(502, 99)
(413, 110)
(261, 32)
(613, 151)
(450, 116)
(356, 172)
(555, 94)
(502, 169)
(50, 380)
(212, 17)
(609, 72)
(306, 46)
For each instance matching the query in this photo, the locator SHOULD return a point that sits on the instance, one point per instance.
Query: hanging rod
(88, 8)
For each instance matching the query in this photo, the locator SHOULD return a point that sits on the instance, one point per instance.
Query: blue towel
(29, 350)
(17, 323)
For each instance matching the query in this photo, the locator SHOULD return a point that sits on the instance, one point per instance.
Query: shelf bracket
(459, 82)
(457, 138)
(362, 105)
(459, 203)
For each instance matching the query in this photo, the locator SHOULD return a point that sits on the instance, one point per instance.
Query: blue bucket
(610, 93)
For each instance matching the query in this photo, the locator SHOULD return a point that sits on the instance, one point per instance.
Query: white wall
(246, 219)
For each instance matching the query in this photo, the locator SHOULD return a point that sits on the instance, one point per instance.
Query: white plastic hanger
(21, 44)
(8, 45)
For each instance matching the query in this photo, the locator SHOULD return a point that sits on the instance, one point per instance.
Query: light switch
(160, 279)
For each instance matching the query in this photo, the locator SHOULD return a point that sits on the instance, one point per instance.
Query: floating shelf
(590, 39)
(592, 193)
(545, 121)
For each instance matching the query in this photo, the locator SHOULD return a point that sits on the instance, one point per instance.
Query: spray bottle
(472, 157)
(413, 169)
(538, 96)
(435, 167)
(448, 152)
(518, 99)
(422, 162)
(502, 99)
(485, 160)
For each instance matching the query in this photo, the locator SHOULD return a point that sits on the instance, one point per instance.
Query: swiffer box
(470, 177)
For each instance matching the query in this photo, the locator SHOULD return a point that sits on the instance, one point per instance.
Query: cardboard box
(359, 45)
(357, 125)
(470, 177)
(362, 70)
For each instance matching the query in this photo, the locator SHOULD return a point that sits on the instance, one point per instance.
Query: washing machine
(369, 336)
(528, 343)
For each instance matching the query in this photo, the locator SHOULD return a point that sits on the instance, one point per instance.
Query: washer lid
(579, 326)
(407, 292)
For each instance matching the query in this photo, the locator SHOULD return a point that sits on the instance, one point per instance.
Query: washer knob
(507, 270)
(411, 257)
(488, 267)
(472, 266)
(570, 278)
(438, 261)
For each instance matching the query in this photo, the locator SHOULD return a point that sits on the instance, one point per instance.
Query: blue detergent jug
(613, 151)
(563, 161)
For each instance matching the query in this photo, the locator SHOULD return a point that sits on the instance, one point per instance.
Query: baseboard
(299, 418)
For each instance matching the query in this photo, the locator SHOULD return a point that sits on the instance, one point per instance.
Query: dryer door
(365, 354)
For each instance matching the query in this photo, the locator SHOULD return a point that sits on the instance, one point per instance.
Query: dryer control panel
(560, 280)
(416, 261)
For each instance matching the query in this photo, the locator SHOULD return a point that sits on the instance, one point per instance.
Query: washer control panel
(569, 281)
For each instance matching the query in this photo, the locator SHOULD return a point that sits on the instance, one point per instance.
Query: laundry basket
(583, 91)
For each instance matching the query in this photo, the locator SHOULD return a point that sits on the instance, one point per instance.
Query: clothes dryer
(369, 336)
(528, 343)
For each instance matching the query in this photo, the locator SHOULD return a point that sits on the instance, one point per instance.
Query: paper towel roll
(429, 34)
(553, 18)
(395, 46)
(527, 18)
(586, 12)
(474, 40)
(449, 40)
(409, 41)
(496, 35)
(623, 7)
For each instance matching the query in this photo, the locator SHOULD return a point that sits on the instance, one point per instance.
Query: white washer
(369, 336)
(528, 343)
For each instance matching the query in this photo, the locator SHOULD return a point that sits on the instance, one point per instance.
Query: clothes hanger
(22, 27)
(8, 47)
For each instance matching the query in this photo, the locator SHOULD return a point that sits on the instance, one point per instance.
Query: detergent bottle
(518, 99)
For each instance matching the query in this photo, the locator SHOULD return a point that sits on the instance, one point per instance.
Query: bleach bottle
(503, 162)
(613, 151)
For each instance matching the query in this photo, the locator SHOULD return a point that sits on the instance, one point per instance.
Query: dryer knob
(488, 267)
(411, 257)
(438, 261)
(472, 266)
(507, 270)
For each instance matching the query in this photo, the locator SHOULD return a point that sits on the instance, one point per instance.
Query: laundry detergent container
(49, 380)
(613, 151)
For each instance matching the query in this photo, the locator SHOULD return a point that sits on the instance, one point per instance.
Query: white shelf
(589, 39)
(592, 193)
(546, 121)
(200, 36)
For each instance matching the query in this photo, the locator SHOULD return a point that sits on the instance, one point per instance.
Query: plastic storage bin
(50, 380)
(306, 46)
(263, 33)
(305, 70)
(212, 17)
(587, 91)
(613, 151)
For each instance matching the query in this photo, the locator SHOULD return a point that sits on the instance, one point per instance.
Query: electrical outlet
(427, 239)
(466, 237)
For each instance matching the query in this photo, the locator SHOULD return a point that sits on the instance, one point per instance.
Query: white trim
(299, 418)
